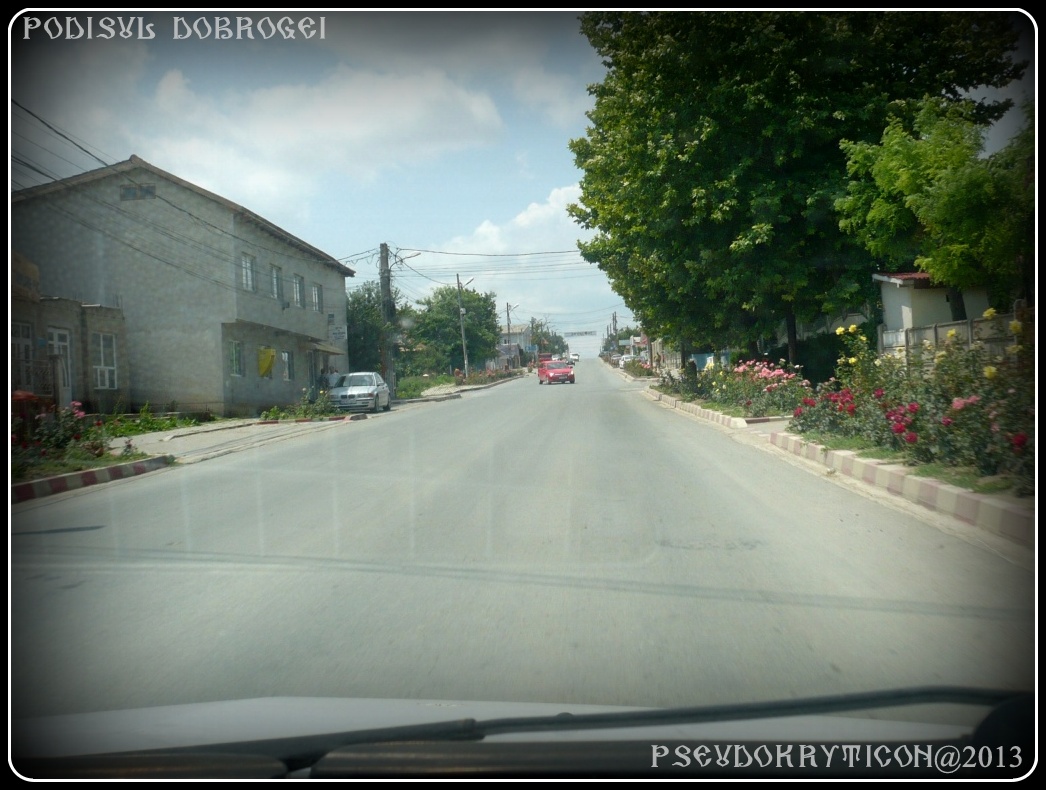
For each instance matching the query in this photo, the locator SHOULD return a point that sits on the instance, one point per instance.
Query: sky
(442, 134)
(445, 133)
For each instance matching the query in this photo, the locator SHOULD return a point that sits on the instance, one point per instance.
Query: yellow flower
(952, 334)
(940, 355)
(878, 363)
(853, 329)
(1016, 349)
(840, 331)
(841, 361)
(989, 313)
(990, 371)
(864, 339)
(1015, 327)
(852, 360)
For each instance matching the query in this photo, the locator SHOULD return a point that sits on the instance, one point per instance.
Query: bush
(953, 405)
(56, 439)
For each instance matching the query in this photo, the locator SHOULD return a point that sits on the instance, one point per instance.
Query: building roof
(137, 163)
(917, 279)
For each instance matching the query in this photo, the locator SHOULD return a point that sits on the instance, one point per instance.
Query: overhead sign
(577, 334)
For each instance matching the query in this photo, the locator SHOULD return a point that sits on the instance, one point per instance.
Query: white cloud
(555, 95)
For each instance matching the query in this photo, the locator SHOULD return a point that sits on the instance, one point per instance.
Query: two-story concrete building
(222, 310)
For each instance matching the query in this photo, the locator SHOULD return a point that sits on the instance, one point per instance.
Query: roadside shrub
(954, 405)
(67, 435)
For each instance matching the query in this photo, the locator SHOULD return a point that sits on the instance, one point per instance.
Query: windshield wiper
(326, 754)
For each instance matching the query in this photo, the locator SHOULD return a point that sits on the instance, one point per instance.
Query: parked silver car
(366, 391)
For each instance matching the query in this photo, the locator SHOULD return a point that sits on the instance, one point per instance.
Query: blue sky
(427, 131)
(435, 131)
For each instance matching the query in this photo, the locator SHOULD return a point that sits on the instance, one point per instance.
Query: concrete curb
(991, 513)
(994, 514)
(35, 489)
(697, 411)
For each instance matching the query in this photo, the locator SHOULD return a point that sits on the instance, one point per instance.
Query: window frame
(236, 365)
(276, 282)
(248, 272)
(106, 376)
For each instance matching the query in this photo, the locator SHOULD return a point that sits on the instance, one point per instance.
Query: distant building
(221, 310)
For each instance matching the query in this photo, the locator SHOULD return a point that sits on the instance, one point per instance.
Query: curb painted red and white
(995, 514)
(35, 489)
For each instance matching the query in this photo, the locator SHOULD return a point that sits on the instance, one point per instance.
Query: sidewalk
(1004, 515)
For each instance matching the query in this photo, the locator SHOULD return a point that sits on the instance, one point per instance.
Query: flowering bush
(54, 437)
(951, 404)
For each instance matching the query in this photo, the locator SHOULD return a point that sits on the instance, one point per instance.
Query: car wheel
(388, 404)
(374, 408)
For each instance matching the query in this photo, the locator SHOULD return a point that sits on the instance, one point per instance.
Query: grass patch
(413, 386)
(23, 473)
(964, 477)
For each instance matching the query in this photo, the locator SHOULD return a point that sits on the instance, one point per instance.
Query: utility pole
(461, 315)
(388, 370)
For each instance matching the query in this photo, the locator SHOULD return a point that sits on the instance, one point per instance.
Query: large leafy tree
(434, 334)
(712, 162)
(366, 327)
(926, 195)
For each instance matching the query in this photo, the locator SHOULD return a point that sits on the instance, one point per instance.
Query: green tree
(434, 334)
(926, 195)
(366, 329)
(712, 162)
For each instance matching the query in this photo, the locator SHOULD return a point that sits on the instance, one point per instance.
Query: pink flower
(798, 411)
(1018, 440)
(958, 404)
(946, 421)
(911, 437)
(879, 393)
(897, 428)
(913, 407)
(850, 409)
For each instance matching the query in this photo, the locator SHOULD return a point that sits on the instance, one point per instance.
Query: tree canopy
(712, 163)
(927, 194)
(366, 329)
(433, 331)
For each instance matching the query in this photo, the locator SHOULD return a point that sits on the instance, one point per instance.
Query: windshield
(216, 214)
(356, 380)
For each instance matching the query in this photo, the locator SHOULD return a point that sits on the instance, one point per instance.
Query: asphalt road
(566, 543)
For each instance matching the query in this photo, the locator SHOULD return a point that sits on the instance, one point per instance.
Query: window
(317, 298)
(103, 360)
(299, 291)
(247, 269)
(21, 355)
(137, 191)
(276, 280)
(288, 365)
(266, 360)
(236, 357)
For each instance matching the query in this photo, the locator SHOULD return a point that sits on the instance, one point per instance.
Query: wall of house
(173, 264)
(897, 306)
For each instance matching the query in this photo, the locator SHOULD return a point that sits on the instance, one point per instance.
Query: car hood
(362, 390)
